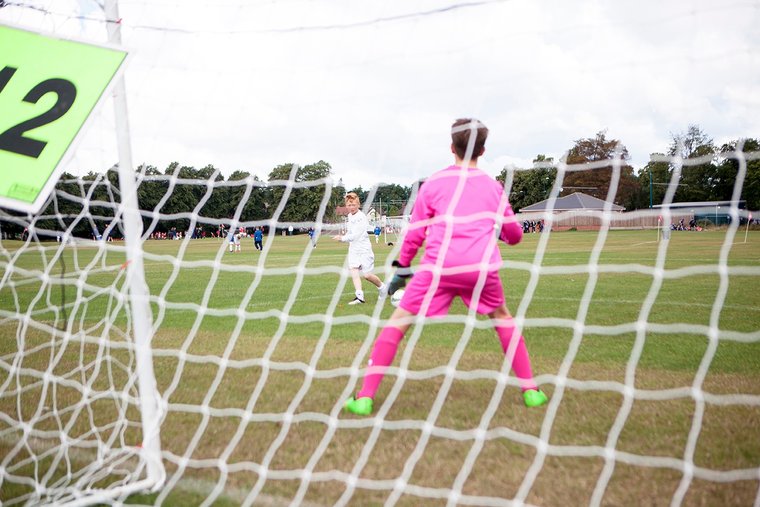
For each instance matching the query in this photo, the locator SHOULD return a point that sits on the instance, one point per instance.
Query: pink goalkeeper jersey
(472, 220)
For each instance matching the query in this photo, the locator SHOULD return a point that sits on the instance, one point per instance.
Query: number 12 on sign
(13, 139)
(48, 89)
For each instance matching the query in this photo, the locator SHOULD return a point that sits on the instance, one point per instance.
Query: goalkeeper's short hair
(460, 137)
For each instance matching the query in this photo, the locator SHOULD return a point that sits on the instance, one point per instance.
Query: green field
(250, 337)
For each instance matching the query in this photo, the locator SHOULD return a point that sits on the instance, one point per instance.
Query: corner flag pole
(749, 219)
(659, 220)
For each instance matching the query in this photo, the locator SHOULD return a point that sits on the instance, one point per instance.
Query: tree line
(168, 200)
(294, 194)
(706, 172)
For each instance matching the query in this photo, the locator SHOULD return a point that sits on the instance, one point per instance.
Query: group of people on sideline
(680, 226)
(533, 225)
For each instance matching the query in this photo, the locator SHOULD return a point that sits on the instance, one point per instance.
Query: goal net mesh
(641, 340)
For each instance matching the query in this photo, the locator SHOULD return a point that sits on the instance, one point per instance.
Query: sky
(372, 87)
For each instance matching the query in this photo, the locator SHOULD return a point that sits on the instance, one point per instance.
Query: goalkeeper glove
(399, 277)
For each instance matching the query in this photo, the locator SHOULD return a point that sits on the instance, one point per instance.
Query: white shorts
(365, 262)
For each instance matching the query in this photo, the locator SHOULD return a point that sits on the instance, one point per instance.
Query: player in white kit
(361, 258)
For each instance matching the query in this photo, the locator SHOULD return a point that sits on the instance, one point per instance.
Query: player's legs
(361, 265)
(512, 342)
(382, 355)
(386, 344)
(368, 265)
(357, 281)
(373, 279)
(484, 293)
(507, 331)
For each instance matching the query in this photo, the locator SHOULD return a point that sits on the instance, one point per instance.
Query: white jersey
(359, 247)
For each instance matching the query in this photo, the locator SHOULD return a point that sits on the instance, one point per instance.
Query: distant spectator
(231, 238)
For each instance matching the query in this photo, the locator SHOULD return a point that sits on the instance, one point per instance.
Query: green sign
(48, 88)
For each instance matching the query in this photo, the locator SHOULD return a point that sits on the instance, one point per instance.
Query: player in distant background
(258, 238)
(454, 215)
(361, 258)
(238, 235)
(231, 238)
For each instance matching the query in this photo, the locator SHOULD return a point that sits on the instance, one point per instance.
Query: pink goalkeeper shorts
(449, 286)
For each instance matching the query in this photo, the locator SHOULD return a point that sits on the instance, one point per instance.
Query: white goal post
(139, 301)
(393, 228)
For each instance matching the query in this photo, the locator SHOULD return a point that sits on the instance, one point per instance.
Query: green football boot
(534, 398)
(361, 406)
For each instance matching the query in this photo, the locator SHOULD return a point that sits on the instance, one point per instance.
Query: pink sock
(521, 360)
(381, 357)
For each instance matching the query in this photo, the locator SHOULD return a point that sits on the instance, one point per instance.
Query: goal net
(393, 228)
(180, 334)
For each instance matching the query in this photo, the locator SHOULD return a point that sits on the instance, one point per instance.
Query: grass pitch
(242, 338)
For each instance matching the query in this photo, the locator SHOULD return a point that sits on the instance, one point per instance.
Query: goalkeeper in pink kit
(456, 214)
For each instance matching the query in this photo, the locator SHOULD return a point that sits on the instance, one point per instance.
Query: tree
(697, 182)
(337, 199)
(654, 179)
(11, 223)
(60, 212)
(530, 186)
(391, 199)
(100, 191)
(150, 190)
(255, 207)
(185, 195)
(304, 202)
(223, 201)
(728, 170)
(687, 144)
(596, 182)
